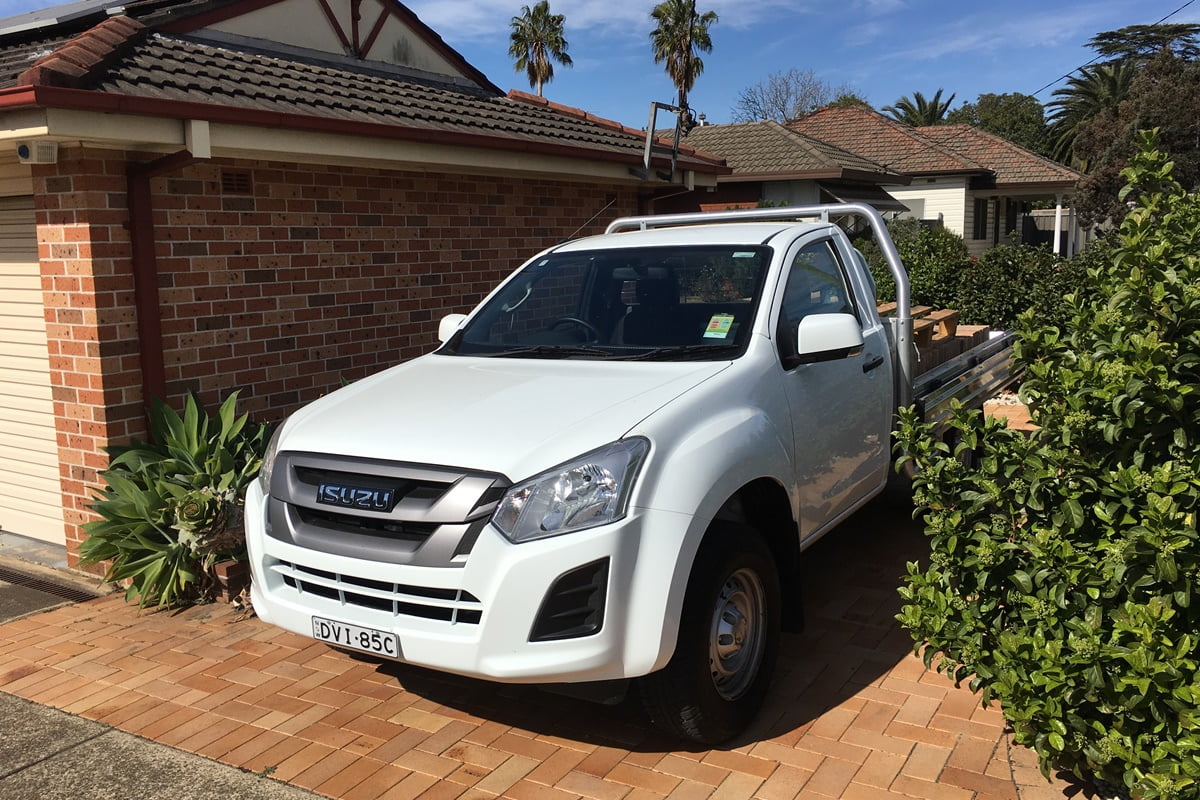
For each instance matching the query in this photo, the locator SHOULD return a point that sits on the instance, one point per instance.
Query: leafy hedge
(935, 259)
(172, 508)
(989, 290)
(1064, 564)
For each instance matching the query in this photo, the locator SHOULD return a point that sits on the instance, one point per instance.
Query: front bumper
(477, 619)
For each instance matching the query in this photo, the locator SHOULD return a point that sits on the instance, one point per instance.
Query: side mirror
(449, 325)
(827, 337)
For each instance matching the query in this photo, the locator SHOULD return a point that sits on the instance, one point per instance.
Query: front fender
(693, 476)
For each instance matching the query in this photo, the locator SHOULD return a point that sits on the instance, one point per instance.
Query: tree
(1019, 118)
(1142, 42)
(535, 41)
(1096, 90)
(785, 96)
(680, 34)
(848, 100)
(1164, 95)
(918, 111)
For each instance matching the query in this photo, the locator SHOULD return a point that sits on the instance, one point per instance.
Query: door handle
(874, 363)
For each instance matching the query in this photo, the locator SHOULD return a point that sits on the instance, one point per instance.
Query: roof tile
(765, 148)
(1012, 163)
(73, 63)
(874, 136)
(122, 56)
(185, 69)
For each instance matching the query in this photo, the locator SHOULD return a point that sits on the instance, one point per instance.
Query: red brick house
(271, 196)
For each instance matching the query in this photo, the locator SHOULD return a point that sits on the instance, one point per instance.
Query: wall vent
(235, 181)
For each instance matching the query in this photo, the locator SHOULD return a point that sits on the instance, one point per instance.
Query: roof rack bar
(905, 348)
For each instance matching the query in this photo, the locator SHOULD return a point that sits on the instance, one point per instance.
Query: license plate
(369, 640)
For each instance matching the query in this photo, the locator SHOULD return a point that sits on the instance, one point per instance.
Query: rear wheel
(715, 682)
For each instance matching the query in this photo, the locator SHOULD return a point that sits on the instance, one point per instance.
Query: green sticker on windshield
(718, 326)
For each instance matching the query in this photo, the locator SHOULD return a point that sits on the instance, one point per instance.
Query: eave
(817, 175)
(160, 125)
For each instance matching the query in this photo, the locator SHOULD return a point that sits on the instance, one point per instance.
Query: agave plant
(172, 508)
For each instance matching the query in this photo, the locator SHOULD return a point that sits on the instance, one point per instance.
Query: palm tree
(1095, 90)
(535, 41)
(920, 112)
(680, 34)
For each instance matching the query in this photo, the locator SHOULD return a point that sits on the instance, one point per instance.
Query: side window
(816, 284)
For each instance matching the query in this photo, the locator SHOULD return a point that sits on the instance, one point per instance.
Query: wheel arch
(764, 505)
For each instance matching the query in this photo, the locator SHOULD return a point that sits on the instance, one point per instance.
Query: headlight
(592, 490)
(268, 462)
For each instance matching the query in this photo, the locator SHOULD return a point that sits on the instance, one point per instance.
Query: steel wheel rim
(736, 637)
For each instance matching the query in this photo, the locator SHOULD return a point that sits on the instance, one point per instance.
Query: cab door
(841, 408)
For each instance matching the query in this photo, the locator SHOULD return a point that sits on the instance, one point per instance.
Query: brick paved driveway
(852, 713)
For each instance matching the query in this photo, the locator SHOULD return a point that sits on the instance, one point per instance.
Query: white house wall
(943, 198)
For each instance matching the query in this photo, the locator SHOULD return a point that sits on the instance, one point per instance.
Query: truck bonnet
(515, 417)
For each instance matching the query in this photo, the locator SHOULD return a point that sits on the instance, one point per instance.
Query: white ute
(609, 469)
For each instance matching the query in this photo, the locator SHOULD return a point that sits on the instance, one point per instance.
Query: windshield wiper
(684, 352)
(548, 351)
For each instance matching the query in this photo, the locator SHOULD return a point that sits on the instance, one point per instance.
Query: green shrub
(1002, 283)
(171, 509)
(1064, 563)
(989, 290)
(934, 258)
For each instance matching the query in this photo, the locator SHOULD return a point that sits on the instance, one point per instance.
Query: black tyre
(714, 684)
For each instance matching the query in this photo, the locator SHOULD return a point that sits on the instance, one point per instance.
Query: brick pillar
(83, 245)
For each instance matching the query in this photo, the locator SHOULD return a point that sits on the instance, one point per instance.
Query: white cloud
(866, 33)
(996, 31)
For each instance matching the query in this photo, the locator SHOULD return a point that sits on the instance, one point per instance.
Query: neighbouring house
(976, 184)
(271, 196)
(775, 165)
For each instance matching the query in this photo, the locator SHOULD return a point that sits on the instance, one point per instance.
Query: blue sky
(883, 49)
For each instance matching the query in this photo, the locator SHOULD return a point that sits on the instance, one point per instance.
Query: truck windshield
(648, 303)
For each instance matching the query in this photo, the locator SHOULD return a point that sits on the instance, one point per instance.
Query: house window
(979, 229)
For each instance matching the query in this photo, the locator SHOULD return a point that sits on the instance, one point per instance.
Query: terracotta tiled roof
(1012, 163)
(895, 145)
(769, 149)
(19, 57)
(122, 58)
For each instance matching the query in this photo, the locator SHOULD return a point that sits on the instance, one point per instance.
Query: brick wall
(83, 246)
(278, 280)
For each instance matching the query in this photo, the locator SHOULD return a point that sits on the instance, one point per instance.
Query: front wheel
(714, 684)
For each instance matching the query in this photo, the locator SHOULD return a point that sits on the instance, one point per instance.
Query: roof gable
(374, 31)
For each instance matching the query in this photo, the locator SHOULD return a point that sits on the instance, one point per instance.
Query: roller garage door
(30, 496)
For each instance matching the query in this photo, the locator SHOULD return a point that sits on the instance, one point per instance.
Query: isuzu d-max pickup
(609, 469)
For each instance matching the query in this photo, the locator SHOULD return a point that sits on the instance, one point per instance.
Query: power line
(1097, 58)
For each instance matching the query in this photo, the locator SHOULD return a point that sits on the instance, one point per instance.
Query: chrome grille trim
(436, 518)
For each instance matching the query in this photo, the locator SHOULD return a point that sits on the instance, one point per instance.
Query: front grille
(409, 531)
(409, 513)
(397, 599)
